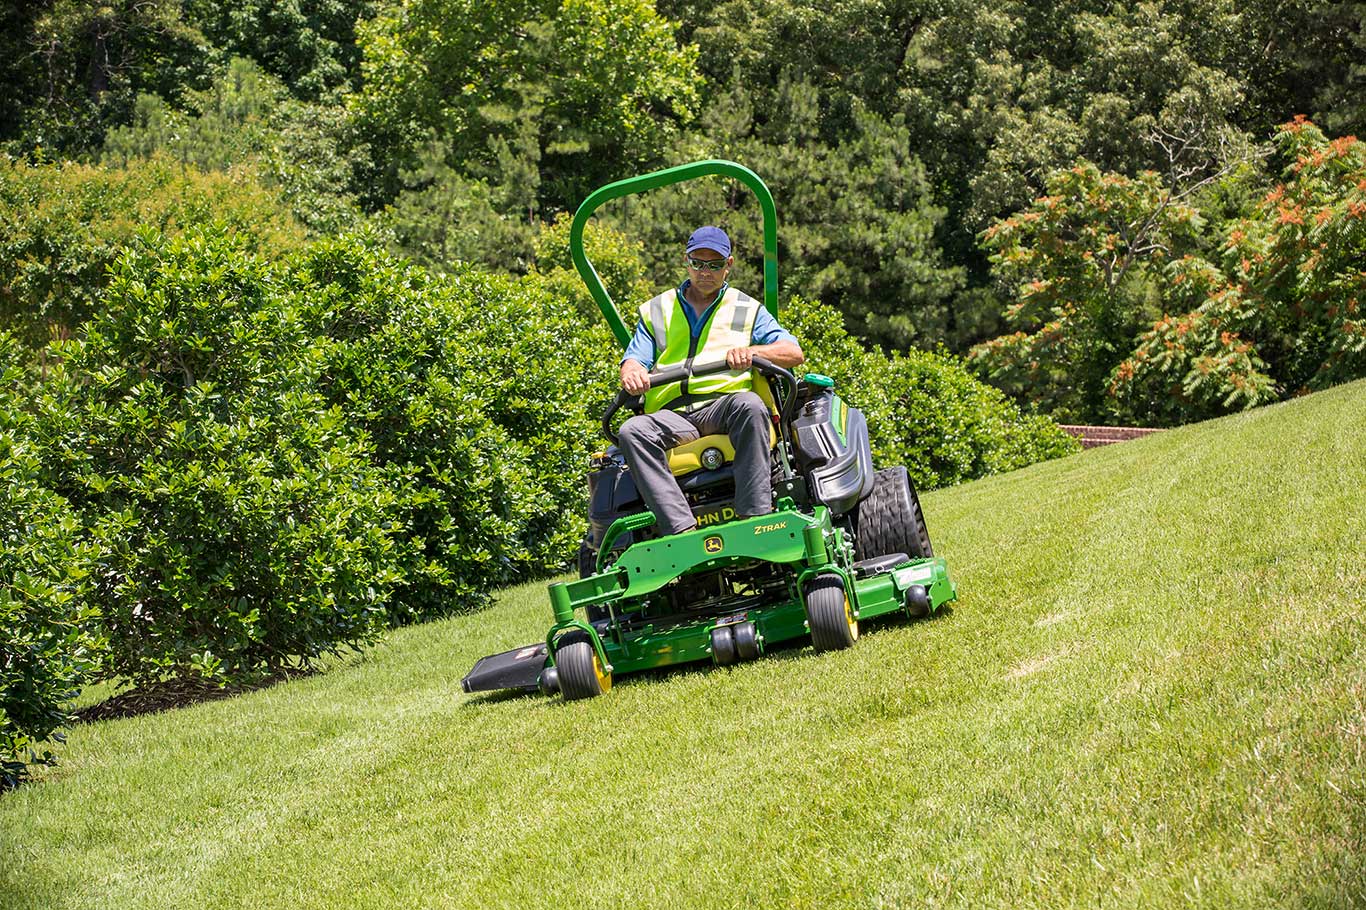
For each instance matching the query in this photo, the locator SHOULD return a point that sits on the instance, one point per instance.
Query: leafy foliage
(1081, 259)
(1283, 313)
(442, 216)
(858, 223)
(481, 398)
(221, 126)
(894, 133)
(47, 646)
(239, 524)
(247, 120)
(1130, 305)
(310, 45)
(925, 410)
(579, 90)
(64, 225)
(77, 69)
(79, 66)
(999, 95)
(618, 259)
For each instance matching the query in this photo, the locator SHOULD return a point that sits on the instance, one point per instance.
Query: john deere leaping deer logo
(713, 544)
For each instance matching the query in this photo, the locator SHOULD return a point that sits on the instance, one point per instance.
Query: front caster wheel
(746, 641)
(722, 646)
(829, 613)
(581, 674)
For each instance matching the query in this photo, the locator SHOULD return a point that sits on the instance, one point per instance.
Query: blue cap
(709, 238)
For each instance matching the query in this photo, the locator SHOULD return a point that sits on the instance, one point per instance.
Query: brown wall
(1103, 436)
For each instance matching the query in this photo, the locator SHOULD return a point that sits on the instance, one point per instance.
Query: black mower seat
(878, 564)
(701, 480)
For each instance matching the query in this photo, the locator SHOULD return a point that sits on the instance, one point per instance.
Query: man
(703, 320)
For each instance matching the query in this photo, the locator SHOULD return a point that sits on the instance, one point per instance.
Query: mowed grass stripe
(1150, 692)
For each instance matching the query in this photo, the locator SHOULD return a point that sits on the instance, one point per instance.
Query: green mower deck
(629, 642)
(805, 542)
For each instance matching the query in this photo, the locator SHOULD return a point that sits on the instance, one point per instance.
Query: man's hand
(740, 358)
(780, 353)
(635, 379)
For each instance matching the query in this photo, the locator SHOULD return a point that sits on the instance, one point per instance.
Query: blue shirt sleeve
(642, 347)
(768, 331)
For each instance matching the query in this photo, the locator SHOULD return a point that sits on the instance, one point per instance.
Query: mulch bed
(174, 693)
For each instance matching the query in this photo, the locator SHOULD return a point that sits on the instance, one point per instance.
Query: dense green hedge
(479, 395)
(239, 523)
(276, 460)
(924, 410)
(48, 642)
(63, 225)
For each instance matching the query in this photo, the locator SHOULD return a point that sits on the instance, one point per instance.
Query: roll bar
(655, 180)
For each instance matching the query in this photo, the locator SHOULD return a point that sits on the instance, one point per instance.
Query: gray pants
(646, 438)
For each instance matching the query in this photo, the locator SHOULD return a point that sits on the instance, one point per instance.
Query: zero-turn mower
(845, 542)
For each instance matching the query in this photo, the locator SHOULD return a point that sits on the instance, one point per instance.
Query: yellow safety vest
(730, 325)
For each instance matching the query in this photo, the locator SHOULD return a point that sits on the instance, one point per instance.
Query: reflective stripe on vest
(730, 325)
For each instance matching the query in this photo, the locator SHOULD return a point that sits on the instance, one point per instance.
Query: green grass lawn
(1151, 693)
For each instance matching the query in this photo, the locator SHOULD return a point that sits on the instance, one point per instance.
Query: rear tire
(890, 520)
(580, 672)
(828, 612)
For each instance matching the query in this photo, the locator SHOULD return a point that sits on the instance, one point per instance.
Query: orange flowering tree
(1082, 261)
(1282, 313)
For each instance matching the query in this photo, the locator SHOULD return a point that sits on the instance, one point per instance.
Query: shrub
(247, 122)
(442, 216)
(947, 426)
(924, 410)
(62, 226)
(1081, 262)
(239, 526)
(481, 396)
(619, 261)
(47, 647)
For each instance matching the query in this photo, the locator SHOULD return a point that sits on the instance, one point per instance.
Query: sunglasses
(712, 265)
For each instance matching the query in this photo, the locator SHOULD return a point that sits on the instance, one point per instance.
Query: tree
(310, 45)
(1283, 313)
(995, 96)
(857, 222)
(442, 216)
(612, 85)
(1081, 262)
(84, 64)
(247, 119)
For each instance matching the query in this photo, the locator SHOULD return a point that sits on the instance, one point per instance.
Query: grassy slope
(1151, 693)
